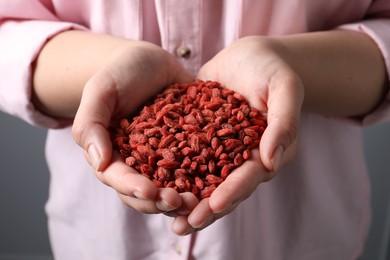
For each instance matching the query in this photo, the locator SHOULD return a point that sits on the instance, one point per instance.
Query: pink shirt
(316, 208)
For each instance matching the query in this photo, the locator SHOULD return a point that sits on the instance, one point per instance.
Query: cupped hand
(133, 75)
(255, 67)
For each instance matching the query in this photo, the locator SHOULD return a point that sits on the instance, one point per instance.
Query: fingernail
(94, 156)
(164, 206)
(188, 231)
(138, 195)
(276, 159)
(183, 211)
(206, 222)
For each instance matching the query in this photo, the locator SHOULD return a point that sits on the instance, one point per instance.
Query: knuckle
(80, 133)
(101, 177)
(292, 130)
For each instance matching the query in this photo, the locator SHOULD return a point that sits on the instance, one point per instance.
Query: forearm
(343, 72)
(64, 66)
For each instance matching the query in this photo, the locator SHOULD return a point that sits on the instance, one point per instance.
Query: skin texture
(335, 73)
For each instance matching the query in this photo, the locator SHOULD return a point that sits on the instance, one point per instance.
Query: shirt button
(178, 249)
(183, 51)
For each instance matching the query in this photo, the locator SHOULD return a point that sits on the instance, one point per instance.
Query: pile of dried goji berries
(191, 137)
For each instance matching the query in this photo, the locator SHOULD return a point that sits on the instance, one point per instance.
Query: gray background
(24, 183)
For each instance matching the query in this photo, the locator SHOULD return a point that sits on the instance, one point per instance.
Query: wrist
(343, 72)
(65, 64)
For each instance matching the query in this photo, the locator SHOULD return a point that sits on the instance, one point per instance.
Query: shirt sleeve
(25, 27)
(377, 26)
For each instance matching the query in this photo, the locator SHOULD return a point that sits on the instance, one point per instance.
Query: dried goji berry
(207, 191)
(190, 137)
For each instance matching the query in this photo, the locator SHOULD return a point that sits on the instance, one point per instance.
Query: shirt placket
(183, 32)
(181, 35)
(180, 247)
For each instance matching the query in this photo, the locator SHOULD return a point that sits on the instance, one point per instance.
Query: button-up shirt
(316, 208)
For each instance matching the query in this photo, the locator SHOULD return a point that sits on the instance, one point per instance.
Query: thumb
(279, 141)
(92, 120)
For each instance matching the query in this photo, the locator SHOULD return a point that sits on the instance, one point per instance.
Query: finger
(201, 215)
(180, 223)
(189, 202)
(181, 227)
(284, 107)
(92, 120)
(239, 185)
(140, 205)
(125, 180)
(168, 199)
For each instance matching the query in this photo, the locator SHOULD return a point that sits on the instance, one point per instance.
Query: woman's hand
(255, 68)
(343, 73)
(129, 79)
(97, 79)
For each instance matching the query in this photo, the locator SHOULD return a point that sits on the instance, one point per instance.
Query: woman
(318, 70)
